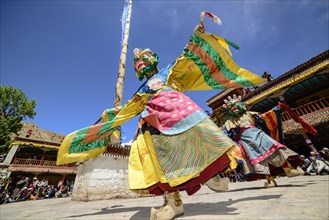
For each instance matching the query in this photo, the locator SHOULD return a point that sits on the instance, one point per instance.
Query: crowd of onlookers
(316, 163)
(26, 189)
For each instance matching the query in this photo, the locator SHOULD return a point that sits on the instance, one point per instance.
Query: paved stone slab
(303, 197)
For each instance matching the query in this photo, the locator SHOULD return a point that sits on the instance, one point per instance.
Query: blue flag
(124, 18)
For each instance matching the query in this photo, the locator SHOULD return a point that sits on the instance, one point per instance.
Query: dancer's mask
(234, 105)
(145, 62)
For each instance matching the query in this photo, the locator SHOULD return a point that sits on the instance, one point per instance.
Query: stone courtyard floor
(303, 197)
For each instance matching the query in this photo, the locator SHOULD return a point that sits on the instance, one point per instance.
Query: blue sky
(65, 54)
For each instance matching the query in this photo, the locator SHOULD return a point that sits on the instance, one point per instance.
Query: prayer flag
(210, 15)
(124, 18)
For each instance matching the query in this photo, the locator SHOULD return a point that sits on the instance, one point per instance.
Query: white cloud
(127, 143)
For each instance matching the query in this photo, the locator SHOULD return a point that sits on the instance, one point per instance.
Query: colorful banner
(206, 65)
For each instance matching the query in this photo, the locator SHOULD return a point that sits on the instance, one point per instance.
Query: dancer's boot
(270, 182)
(218, 183)
(172, 208)
(291, 172)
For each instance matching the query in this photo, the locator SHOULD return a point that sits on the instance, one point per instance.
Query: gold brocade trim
(287, 83)
(33, 144)
(292, 127)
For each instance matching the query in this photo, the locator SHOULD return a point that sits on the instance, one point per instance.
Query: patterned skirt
(184, 161)
(264, 155)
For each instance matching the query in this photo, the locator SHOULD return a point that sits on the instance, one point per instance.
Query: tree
(14, 108)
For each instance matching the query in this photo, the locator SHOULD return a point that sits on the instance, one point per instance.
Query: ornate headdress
(234, 105)
(145, 62)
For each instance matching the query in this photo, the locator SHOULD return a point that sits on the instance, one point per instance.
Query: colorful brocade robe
(204, 65)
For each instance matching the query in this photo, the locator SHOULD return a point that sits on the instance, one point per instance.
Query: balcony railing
(42, 163)
(309, 108)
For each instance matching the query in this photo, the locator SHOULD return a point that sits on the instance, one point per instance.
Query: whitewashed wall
(104, 177)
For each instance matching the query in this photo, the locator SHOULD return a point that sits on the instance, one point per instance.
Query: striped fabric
(206, 65)
(273, 122)
(194, 149)
(88, 142)
(219, 69)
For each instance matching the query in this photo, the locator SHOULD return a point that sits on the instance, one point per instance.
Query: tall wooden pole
(122, 65)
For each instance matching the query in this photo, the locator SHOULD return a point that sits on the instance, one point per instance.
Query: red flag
(296, 118)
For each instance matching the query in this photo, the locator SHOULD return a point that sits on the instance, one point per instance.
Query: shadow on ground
(190, 209)
(263, 188)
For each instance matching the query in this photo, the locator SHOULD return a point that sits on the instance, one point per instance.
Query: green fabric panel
(107, 127)
(232, 44)
(77, 146)
(219, 62)
(79, 136)
(83, 147)
(204, 69)
(110, 113)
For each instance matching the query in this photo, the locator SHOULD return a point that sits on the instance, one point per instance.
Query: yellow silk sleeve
(132, 108)
(91, 141)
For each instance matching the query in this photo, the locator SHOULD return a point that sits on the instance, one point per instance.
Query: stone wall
(104, 177)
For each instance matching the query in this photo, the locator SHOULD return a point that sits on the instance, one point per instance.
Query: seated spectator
(16, 190)
(31, 186)
(325, 154)
(316, 155)
(45, 182)
(4, 197)
(35, 182)
(31, 194)
(26, 182)
(24, 194)
(58, 193)
(39, 196)
(317, 167)
(60, 183)
(40, 185)
(18, 193)
(305, 162)
(64, 191)
(312, 154)
(34, 195)
(50, 192)
(44, 193)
